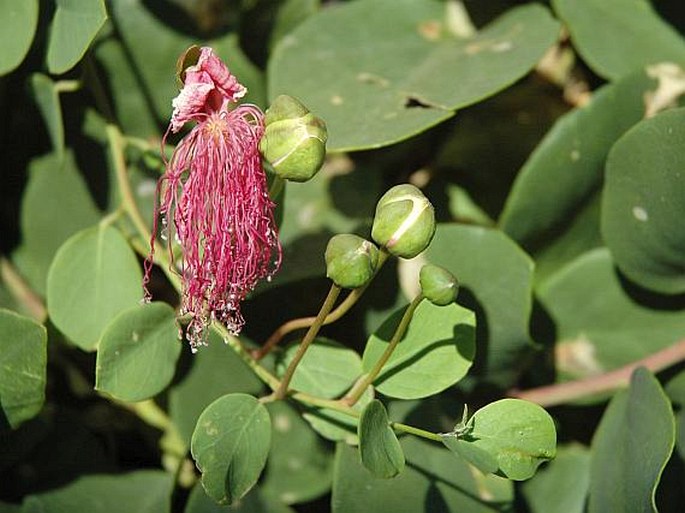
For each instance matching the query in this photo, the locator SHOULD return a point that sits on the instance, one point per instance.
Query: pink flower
(213, 196)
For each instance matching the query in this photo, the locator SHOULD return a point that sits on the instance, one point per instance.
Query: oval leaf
(499, 277)
(74, 26)
(215, 370)
(510, 437)
(379, 448)
(56, 204)
(553, 207)
(255, 502)
(435, 353)
(618, 36)
(631, 447)
(94, 276)
(644, 203)
(230, 446)
(137, 353)
(600, 327)
(433, 481)
(18, 26)
(144, 491)
(23, 360)
(300, 463)
(328, 368)
(395, 65)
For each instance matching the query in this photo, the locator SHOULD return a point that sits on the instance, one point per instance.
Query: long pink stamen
(214, 198)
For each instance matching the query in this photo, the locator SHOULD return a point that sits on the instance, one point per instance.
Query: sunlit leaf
(381, 71)
(17, 27)
(230, 445)
(74, 26)
(631, 447)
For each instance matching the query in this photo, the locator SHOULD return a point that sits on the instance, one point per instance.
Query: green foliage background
(548, 136)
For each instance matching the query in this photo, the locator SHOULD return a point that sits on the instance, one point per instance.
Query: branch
(554, 395)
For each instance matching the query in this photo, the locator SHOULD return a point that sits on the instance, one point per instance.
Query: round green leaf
(599, 326)
(381, 71)
(56, 204)
(553, 207)
(618, 36)
(17, 27)
(631, 447)
(300, 465)
(94, 276)
(215, 370)
(644, 203)
(499, 276)
(230, 446)
(334, 425)
(510, 437)
(75, 25)
(562, 485)
(144, 491)
(379, 448)
(137, 353)
(328, 368)
(432, 481)
(23, 360)
(436, 351)
(254, 502)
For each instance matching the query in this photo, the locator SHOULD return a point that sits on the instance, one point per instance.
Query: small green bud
(404, 222)
(438, 285)
(350, 260)
(294, 140)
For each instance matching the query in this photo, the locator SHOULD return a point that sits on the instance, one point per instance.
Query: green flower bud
(294, 140)
(350, 260)
(404, 221)
(438, 285)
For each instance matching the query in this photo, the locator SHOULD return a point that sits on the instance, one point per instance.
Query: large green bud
(438, 285)
(294, 140)
(350, 260)
(404, 222)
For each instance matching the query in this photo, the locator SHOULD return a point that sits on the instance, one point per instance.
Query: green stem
(358, 389)
(341, 407)
(398, 426)
(306, 322)
(116, 144)
(327, 306)
(232, 341)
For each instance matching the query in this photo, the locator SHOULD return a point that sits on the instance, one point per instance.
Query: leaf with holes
(381, 71)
